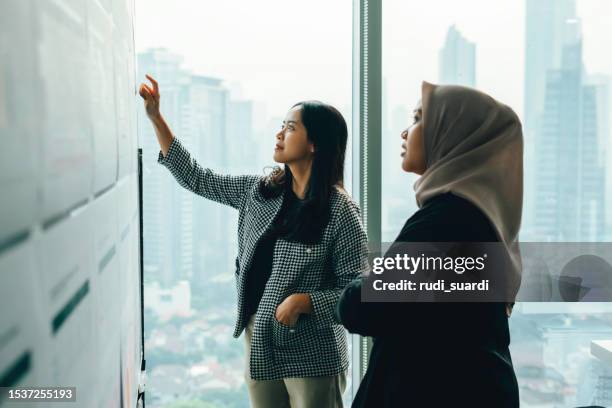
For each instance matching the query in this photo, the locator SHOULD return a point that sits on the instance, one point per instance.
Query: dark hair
(327, 130)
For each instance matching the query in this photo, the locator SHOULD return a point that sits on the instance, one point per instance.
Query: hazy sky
(414, 32)
(281, 51)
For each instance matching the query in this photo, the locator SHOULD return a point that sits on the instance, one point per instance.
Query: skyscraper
(457, 60)
(545, 24)
(167, 233)
(205, 107)
(603, 95)
(569, 177)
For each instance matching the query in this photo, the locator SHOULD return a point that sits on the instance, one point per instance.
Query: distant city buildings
(164, 229)
(565, 127)
(169, 302)
(457, 60)
(567, 131)
(566, 168)
(187, 236)
(189, 241)
(457, 65)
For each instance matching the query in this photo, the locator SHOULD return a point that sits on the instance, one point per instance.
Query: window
(228, 73)
(545, 59)
(224, 94)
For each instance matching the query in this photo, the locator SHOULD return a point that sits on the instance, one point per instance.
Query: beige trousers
(308, 392)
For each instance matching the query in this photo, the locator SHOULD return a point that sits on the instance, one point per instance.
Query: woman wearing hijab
(299, 240)
(468, 149)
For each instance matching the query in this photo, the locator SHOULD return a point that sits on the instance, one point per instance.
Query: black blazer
(435, 354)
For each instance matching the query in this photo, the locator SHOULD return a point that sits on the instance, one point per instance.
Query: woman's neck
(300, 173)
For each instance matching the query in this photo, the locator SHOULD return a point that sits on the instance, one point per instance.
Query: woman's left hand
(290, 309)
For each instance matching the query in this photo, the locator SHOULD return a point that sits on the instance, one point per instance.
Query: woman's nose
(404, 134)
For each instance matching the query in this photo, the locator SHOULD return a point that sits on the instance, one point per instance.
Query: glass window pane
(228, 74)
(548, 60)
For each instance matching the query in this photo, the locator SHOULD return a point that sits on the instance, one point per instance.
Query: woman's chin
(277, 157)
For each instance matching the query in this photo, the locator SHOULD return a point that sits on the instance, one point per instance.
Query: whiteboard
(70, 221)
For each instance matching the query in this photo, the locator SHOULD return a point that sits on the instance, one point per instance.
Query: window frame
(367, 146)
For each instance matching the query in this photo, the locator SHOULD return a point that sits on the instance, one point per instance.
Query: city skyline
(240, 141)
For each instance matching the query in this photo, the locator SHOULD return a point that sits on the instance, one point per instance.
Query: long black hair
(327, 130)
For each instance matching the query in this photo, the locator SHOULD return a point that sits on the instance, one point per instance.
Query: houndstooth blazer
(316, 345)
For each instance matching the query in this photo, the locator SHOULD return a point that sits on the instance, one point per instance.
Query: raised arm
(222, 188)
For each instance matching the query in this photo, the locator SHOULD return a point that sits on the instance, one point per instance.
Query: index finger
(154, 82)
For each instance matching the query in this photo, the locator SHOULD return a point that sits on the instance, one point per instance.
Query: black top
(434, 354)
(261, 264)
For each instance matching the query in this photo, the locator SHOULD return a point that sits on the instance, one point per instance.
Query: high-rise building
(569, 177)
(545, 24)
(167, 233)
(603, 95)
(592, 192)
(205, 109)
(189, 237)
(457, 60)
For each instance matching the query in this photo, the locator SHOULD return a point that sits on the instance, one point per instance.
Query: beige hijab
(474, 148)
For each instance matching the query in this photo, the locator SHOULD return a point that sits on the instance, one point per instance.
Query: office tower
(603, 97)
(240, 133)
(457, 60)
(204, 108)
(569, 177)
(167, 234)
(250, 153)
(545, 22)
(187, 236)
(591, 215)
(601, 372)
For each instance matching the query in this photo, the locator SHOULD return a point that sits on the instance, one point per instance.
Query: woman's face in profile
(413, 148)
(292, 142)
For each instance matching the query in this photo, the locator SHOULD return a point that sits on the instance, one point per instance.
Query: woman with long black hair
(300, 241)
(468, 149)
